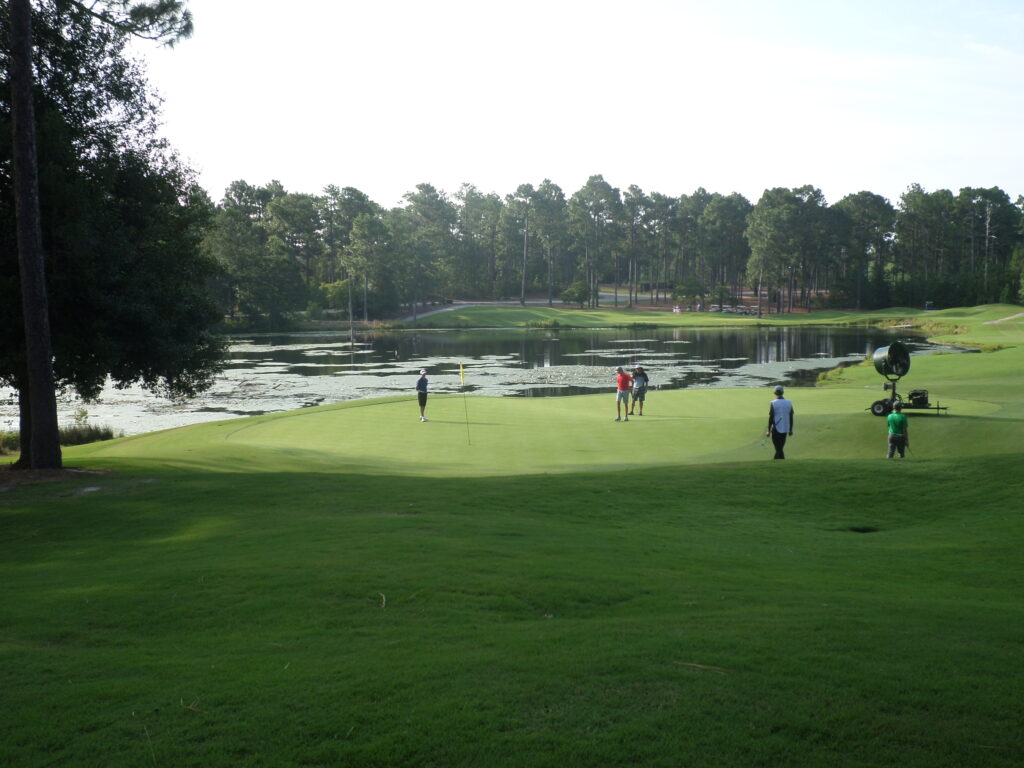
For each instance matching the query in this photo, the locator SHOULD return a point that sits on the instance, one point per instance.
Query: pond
(282, 372)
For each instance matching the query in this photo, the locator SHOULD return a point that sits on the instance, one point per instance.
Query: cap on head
(779, 389)
(423, 371)
(619, 369)
(898, 407)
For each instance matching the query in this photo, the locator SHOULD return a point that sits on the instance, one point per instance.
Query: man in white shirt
(780, 421)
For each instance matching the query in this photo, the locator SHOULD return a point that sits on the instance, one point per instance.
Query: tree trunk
(988, 247)
(760, 274)
(615, 288)
(351, 319)
(44, 438)
(526, 233)
(550, 295)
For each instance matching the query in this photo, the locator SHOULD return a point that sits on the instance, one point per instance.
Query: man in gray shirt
(780, 421)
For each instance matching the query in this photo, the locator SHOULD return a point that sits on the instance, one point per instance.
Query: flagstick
(465, 405)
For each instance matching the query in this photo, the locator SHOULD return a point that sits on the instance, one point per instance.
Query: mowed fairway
(525, 582)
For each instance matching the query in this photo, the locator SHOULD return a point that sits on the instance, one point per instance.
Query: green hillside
(525, 582)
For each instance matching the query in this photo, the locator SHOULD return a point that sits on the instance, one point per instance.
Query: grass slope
(531, 315)
(347, 586)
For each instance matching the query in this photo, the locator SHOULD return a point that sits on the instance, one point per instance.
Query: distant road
(1004, 319)
(456, 304)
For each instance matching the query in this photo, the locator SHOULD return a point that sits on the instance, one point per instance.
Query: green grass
(944, 322)
(345, 586)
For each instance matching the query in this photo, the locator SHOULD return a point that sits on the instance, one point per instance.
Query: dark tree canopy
(123, 221)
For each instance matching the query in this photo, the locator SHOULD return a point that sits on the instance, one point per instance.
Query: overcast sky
(729, 95)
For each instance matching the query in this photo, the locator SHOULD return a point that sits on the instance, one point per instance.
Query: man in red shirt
(623, 383)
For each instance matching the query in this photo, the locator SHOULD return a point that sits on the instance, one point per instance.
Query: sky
(670, 96)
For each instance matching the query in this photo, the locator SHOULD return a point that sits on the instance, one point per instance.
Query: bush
(552, 323)
(80, 434)
(335, 295)
(9, 443)
(690, 290)
(722, 294)
(577, 293)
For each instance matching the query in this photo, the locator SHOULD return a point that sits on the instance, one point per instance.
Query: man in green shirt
(899, 431)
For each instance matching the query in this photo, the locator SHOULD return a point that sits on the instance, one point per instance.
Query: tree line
(281, 251)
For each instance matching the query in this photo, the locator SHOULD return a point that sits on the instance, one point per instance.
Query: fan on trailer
(893, 362)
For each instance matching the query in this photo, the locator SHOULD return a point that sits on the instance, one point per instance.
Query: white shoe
(618, 418)
(626, 419)
(423, 418)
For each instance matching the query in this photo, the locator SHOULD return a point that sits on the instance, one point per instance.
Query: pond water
(282, 372)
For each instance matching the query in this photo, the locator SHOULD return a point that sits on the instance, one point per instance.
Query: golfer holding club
(421, 392)
(780, 421)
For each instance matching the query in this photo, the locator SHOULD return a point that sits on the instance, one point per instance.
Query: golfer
(640, 383)
(623, 383)
(421, 391)
(899, 431)
(780, 421)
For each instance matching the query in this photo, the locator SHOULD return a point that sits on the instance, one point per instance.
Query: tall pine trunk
(44, 439)
(551, 301)
(526, 234)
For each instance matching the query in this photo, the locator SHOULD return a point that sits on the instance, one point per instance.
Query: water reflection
(282, 372)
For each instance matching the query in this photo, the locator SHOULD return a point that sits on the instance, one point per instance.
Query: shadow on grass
(337, 619)
(163, 504)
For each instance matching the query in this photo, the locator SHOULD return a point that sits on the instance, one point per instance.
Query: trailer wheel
(881, 407)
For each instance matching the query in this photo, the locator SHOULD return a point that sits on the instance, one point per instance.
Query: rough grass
(348, 586)
(77, 434)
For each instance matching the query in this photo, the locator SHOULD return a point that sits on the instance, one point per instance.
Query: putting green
(484, 436)
(476, 436)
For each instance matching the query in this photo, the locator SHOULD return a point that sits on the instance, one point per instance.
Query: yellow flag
(462, 376)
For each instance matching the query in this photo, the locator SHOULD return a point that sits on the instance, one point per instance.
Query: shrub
(335, 294)
(722, 294)
(577, 293)
(690, 290)
(552, 323)
(80, 434)
(9, 443)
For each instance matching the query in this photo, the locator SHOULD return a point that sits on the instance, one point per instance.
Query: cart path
(1004, 319)
(463, 304)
